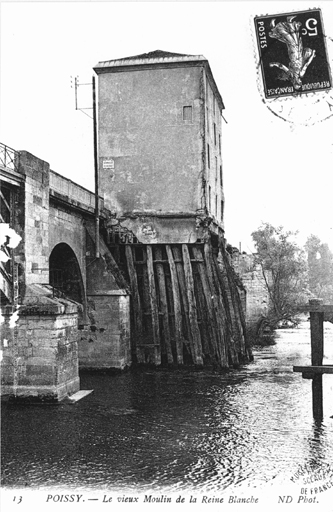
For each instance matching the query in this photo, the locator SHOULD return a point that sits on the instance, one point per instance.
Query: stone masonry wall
(40, 351)
(106, 342)
(68, 227)
(257, 297)
(36, 234)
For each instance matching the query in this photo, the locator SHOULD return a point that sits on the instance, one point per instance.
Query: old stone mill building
(141, 275)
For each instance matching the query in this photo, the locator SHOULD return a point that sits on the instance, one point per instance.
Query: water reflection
(176, 430)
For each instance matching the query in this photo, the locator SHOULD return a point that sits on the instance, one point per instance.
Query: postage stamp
(293, 54)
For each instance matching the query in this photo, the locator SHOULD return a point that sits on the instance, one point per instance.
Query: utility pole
(94, 118)
(96, 170)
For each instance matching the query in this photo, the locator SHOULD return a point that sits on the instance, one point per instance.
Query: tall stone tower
(160, 172)
(159, 121)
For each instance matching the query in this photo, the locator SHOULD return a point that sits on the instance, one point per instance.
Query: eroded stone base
(39, 348)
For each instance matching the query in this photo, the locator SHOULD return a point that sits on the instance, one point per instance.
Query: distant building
(160, 131)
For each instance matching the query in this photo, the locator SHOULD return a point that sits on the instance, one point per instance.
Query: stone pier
(40, 350)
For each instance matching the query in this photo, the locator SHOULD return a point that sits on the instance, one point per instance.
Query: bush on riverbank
(262, 334)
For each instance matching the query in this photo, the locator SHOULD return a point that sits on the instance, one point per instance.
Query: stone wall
(68, 227)
(36, 231)
(105, 341)
(257, 297)
(40, 351)
(39, 347)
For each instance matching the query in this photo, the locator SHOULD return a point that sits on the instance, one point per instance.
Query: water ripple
(175, 430)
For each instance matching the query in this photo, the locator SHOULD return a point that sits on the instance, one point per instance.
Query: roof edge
(139, 62)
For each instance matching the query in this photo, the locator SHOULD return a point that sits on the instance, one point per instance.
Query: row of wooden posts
(186, 306)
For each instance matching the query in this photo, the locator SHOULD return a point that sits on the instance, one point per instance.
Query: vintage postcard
(166, 256)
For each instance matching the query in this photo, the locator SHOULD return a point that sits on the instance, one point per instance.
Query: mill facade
(161, 177)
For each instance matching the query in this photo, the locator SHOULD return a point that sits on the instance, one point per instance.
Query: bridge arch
(65, 273)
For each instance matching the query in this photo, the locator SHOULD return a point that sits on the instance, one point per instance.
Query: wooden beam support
(212, 321)
(218, 306)
(163, 304)
(183, 295)
(317, 337)
(176, 305)
(323, 308)
(137, 313)
(317, 397)
(153, 300)
(314, 369)
(192, 306)
(317, 354)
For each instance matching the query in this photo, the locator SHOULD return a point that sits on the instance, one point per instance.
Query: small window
(216, 167)
(222, 209)
(208, 156)
(215, 134)
(207, 120)
(210, 198)
(214, 105)
(221, 178)
(216, 206)
(187, 113)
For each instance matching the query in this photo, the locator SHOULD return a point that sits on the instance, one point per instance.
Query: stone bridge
(70, 307)
(66, 296)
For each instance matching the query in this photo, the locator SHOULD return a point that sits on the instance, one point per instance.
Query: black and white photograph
(166, 255)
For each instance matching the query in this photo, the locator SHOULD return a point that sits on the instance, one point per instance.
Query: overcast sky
(274, 170)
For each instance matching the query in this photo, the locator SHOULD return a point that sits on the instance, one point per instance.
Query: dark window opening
(222, 209)
(215, 134)
(187, 113)
(221, 177)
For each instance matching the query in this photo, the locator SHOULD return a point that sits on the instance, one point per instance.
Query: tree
(320, 263)
(284, 269)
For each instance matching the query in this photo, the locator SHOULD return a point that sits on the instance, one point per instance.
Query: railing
(9, 158)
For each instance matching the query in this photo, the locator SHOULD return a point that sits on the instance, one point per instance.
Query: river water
(177, 430)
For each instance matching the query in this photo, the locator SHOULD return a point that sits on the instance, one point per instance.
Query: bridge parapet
(72, 193)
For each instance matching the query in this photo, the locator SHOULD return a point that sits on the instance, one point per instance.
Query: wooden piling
(317, 354)
(187, 338)
(163, 305)
(137, 313)
(217, 302)
(197, 348)
(228, 285)
(176, 305)
(212, 321)
(317, 337)
(153, 299)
